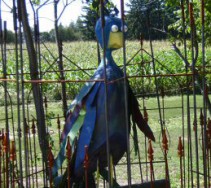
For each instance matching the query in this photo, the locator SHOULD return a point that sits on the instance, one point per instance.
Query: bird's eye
(114, 28)
(125, 28)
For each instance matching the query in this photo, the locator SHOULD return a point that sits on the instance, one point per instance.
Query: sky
(46, 13)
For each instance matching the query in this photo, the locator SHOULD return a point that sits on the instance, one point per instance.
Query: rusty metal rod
(145, 111)
(39, 171)
(204, 95)
(3, 167)
(151, 158)
(101, 80)
(35, 152)
(183, 162)
(102, 17)
(0, 159)
(193, 41)
(18, 95)
(136, 163)
(126, 94)
(23, 108)
(59, 134)
(4, 62)
(180, 149)
(165, 151)
(30, 153)
(154, 71)
(190, 166)
(157, 75)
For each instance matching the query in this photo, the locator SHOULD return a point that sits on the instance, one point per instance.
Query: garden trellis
(30, 132)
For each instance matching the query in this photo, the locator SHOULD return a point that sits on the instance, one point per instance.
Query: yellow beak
(115, 40)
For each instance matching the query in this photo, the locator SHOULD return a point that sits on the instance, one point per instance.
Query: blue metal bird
(86, 121)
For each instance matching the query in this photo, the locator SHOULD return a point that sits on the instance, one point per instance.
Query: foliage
(69, 33)
(143, 14)
(177, 25)
(36, 2)
(86, 23)
(10, 37)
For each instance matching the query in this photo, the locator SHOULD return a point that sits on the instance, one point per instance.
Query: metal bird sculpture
(86, 120)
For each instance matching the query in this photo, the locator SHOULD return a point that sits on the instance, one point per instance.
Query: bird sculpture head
(113, 33)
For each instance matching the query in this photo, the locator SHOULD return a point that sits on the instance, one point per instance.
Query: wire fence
(30, 135)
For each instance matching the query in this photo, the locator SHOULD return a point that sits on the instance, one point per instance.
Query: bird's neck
(109, 56)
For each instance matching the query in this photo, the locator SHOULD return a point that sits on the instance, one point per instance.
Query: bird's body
(87, 117)
(97, 142)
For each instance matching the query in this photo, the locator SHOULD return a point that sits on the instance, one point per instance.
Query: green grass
(173, 123)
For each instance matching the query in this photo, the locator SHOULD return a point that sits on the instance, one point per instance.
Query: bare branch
(45, 3)
(161, 31)
(7, 5)
(64, 7)
(40, 6)
(177, 50)
(32, 6)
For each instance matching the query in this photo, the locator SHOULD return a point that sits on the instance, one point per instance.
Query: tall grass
(84, 55)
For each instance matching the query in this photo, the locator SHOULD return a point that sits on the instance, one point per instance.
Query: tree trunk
(60, 61)
(37, 94)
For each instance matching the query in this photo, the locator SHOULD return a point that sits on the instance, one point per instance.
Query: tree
(143, 14)
(73, 32)
(37, 94)
(10, 37)
(192, 25)
(175, 5)
(86, 23)
(69, 33)
(45, 36)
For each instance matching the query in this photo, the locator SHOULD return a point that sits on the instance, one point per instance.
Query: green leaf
(36, 2)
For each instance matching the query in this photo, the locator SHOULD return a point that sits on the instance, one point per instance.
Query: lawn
(173, 123)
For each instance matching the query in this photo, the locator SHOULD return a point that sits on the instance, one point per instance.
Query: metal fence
(30, 131)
